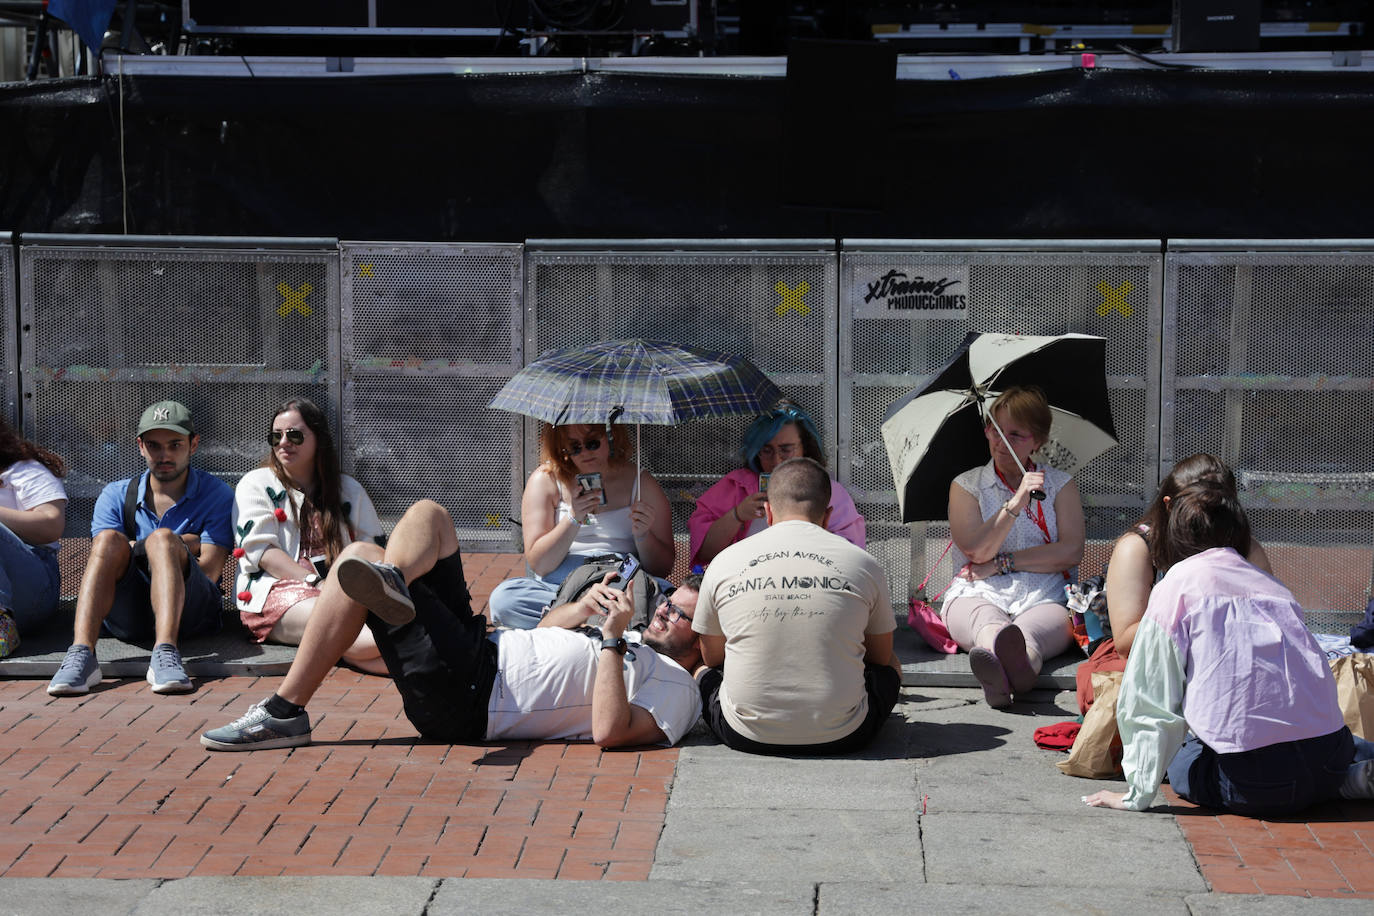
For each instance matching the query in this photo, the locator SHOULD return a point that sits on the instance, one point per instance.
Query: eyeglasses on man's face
(675, 613)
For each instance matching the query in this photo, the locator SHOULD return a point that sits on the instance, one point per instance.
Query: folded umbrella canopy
(936, 433)
(636, 381)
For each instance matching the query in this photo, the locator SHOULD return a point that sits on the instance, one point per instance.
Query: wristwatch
(313, 579)
(618, 644)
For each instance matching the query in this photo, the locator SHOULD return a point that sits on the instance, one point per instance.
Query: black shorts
(882, 683)
(442, 662)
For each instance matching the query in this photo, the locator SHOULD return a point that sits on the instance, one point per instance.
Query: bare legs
(111, 554)
(422, 536)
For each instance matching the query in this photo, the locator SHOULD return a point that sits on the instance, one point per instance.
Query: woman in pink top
(732, 509)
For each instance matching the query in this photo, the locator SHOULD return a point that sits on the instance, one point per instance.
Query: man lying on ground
(460, 686)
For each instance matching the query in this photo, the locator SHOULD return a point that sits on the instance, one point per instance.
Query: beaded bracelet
(1005, 564)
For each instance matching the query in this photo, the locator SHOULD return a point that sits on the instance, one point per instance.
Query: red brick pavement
(115, 785)
(1328, 853)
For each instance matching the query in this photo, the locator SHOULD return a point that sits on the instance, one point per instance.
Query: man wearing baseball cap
(158, 547)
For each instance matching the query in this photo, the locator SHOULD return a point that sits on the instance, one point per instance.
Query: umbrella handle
(1034, 494)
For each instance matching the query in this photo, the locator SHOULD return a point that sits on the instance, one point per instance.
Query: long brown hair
(15, 448)
(327, 499)
(1205, 514)
(553, 450)
(1193, 469)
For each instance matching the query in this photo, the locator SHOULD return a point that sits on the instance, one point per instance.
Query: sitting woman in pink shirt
(732, 509)
(1223, 653)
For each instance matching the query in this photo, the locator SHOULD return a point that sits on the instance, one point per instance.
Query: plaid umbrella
(636, 381)
(935, 434)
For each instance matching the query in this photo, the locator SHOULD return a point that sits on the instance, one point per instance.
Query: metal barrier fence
(1257, 352)
(10, 352)
(430, 334)
(774, 302)
(907, 306)
(230, 327)
(1268, 363)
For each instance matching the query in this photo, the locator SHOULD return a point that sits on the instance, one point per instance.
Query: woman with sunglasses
(732, 509)
(293, 516)
(1006, 605)
(566, 519)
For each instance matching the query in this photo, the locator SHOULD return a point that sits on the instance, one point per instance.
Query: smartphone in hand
(590, 482)
(625, 573)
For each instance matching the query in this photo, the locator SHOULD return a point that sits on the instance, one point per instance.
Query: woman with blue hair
(732, 509)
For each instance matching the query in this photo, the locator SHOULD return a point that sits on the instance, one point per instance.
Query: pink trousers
(1045, 627)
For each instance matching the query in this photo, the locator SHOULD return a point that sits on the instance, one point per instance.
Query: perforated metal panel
(9, 370)
(1269, 365)
(774, 304)
(430, 334)
(228, 327)
(1070, 287)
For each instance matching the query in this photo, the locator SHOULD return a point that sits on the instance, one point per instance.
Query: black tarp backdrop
(1059, 154)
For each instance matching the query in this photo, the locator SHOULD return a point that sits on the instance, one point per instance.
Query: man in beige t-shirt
(796, 628)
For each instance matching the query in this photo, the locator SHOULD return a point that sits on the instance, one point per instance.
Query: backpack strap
(131, 508)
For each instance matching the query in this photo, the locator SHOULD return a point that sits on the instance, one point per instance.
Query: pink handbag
(923, 619)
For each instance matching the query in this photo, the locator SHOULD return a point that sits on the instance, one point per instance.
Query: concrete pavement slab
(496, 896)
(1128, 851)
(862, 899)
(774, 844)
(278, 896)
(719, 778)
(65, 896)
(1275, 905)
(1018, 776)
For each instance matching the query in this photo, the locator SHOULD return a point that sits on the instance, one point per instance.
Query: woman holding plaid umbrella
(566, 523)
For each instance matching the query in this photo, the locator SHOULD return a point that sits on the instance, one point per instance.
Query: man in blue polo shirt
(157, 550)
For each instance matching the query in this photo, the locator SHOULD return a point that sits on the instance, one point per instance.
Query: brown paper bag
(1096, 752)
(1355, 692)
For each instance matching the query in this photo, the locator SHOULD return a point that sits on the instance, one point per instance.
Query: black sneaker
(379, 587)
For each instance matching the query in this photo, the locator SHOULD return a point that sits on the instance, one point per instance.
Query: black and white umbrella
(935, 434)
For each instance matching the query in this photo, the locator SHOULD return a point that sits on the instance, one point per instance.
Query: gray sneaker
(165, 674)
(379, 587)
(259, 730)
(78, 674)
(1359, 780)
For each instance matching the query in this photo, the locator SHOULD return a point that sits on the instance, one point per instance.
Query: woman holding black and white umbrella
(1014, 551)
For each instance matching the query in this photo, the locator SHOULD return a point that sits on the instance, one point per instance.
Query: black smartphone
(763, 482)
(625, 573)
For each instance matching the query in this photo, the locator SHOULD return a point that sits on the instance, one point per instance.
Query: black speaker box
(1216, 25)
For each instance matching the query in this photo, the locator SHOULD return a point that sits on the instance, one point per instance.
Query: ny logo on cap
(162, 413)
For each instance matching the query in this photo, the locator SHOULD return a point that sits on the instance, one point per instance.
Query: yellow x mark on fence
(293, 300)
(792, 298)
(1115, 298)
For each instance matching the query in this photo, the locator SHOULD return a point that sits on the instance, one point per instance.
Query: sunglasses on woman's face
(575, 448)
(293, 435)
